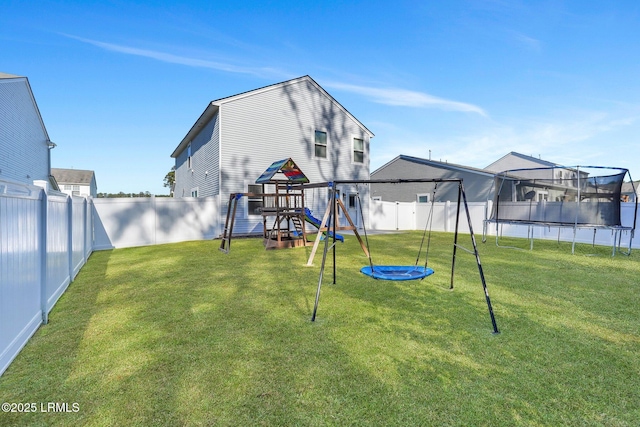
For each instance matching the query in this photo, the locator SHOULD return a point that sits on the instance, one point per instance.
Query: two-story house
(236, 138)
(24, 142)
(76, 182)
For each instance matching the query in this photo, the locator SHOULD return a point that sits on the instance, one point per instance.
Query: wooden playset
(284, 213)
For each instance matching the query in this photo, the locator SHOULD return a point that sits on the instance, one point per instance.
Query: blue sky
(120, 83)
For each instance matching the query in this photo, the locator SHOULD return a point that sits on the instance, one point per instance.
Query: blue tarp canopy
(288, 168)
(397, 272)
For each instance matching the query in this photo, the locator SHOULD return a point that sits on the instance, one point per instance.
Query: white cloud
(407, 98)
(183, 60)
(576, 139)
(388, 96)
(571, 140)
(529, 42)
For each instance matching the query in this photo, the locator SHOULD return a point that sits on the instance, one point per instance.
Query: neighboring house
(477, 182)
(547, 170)
(515, 160)
(628, 193)
(236, 138)
(24, 142)
(76, 182)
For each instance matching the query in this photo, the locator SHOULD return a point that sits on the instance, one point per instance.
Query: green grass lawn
(183, 334)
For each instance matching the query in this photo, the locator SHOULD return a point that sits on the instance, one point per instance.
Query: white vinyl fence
(413, 216)
(45, 238)
(127, 222)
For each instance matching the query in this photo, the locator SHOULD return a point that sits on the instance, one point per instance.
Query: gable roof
(524, 157)
(73, 176)
(8, 76)
(437, 164)
(629, 187)
(288, 168)
(214, 106)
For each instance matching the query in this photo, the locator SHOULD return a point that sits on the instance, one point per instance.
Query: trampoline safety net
(575, 196)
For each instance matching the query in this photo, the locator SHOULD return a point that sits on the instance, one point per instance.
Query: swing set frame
(332, 225)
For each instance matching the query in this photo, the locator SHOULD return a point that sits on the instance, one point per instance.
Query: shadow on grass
(185, 335)
(40, 373)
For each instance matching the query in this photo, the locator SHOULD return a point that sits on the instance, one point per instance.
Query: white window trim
(353, 150)
(314, 144)
(196, 190)
(247, 183)
(422, 195)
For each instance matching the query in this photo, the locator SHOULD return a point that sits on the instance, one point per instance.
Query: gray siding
(477, 186)
(23, 139)
(513, 161)
(204, 174)
(278, 123)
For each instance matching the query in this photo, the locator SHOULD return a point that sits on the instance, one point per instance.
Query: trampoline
(576, 197)
(397, 272)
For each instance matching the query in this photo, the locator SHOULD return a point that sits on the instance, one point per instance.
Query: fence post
(397, 214)
(414, 206)
(70, 236)
(447, 215)
(44, 214)
(154, 209)
(84, 230)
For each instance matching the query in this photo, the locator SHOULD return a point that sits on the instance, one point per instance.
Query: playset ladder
(297, 223)
(225, 244)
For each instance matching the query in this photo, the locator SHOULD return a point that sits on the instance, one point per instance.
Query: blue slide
(308, 216)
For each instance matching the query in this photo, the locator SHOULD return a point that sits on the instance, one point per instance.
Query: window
(194, 192)
(352, 201)
(189, 156)
(423, 198)
(321, 145)
(254, 203)
(358, 150)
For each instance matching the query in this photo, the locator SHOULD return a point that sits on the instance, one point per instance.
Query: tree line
(123, 194)
(169, 180)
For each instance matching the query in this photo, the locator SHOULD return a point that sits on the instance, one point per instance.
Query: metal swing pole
(332, 192)
(455, 235)
(334, 207)
(475, 250)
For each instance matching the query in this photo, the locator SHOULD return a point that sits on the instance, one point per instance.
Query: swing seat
(397, 272)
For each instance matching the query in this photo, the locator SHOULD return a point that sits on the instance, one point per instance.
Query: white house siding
(83, 189)
(278, 123)
(23, 138)
(204, 156)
